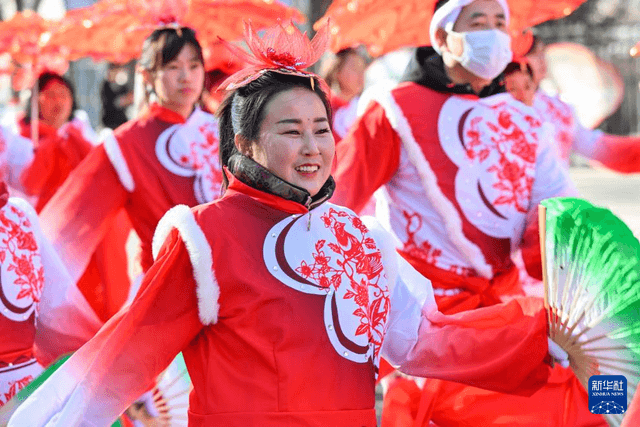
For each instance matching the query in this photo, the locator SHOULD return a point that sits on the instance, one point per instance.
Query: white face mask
(486, 53)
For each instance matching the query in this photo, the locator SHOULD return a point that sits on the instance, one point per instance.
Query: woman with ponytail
(164, 157)
(281, 302)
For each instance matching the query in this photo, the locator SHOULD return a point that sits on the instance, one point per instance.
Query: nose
(310, 146)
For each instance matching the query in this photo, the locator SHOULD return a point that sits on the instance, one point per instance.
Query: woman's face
(295, 141)
(179, 83)
(538, 62)
(351, 75)
(55, 103)
(521, 86)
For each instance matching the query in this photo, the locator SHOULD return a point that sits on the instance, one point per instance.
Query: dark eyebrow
(475, 15)
(298, 121)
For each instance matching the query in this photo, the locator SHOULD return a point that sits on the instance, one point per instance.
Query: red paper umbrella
(386, 25)
(25, 45)
(114, 30)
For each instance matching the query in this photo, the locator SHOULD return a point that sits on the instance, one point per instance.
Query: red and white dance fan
(591, 269)
(171, 394)
(594, 87)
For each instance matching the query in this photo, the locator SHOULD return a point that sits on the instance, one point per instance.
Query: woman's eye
(292, 132)
(324, 130)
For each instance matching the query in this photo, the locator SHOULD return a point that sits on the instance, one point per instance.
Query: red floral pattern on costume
(355, 262)
(15, 387)
(191, 150)
(560, 115)
(424, 250)
(515, 168)
(204, 160)
(19, 252)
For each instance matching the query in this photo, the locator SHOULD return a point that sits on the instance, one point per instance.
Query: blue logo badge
(607, 394)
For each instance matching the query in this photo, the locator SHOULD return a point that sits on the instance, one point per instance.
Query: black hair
(164, 45)
(43, 80)
(243, 110)
(514, 67)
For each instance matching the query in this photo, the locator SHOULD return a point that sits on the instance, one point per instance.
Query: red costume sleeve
(619, 153)
(122, 361)
(551, 180)
(54, 159)
(367, 158)
(82, 210)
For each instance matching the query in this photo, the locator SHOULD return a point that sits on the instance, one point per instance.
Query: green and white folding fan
(591, 269)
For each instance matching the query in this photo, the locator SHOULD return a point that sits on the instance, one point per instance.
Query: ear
(243, 145)
(441, 40)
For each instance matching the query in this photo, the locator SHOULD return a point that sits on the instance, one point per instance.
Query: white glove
(558, 354)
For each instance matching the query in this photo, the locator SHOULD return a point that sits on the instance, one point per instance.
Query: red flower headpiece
(283, 49)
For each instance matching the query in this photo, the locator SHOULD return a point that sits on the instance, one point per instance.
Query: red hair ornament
(283, 49)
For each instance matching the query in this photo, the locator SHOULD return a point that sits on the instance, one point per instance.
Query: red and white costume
(462, 178)
(57, 153)
(281, 314)
(28, 265)
(16, 154)
(619, 153)
(146, 167)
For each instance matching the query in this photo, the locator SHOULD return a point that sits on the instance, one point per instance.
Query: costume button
(275, 268)
(10, 364)
(330, 326)
(273, 234)
(346, 354)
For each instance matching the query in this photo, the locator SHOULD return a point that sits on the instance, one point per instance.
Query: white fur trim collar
(181, 218)
(118, 161)
(444, 207)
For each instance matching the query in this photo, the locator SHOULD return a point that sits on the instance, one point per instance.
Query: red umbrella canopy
(27, 51)
(26, 36)
(114, 30)
(386, 25)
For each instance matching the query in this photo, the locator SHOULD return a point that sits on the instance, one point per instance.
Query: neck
(461, 76)
(347, 95)
(55, 125)
(184, 110)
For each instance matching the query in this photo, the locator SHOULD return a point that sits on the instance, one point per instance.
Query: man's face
(479, 15)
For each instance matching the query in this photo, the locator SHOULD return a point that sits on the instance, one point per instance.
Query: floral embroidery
(204, 160)
(425, 250)
(560, 116)
(515, 166)
(18, 249)
(192, 151)
(462, 271)
(357, 264)
(15, 387)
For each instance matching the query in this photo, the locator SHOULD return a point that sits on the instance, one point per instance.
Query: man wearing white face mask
(462, 167)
